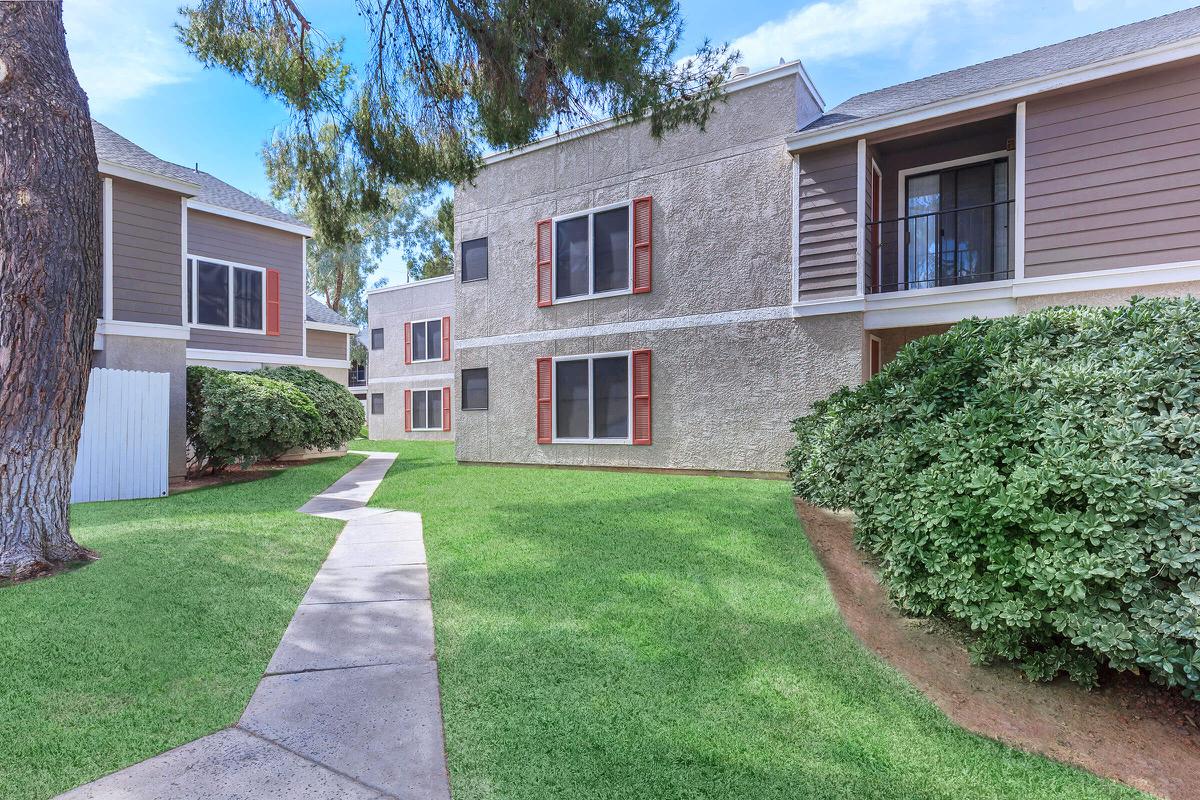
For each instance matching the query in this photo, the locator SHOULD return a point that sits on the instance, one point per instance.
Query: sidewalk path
(349, 705)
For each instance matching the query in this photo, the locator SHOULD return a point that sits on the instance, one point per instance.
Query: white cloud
(122, 51)
(826, 31)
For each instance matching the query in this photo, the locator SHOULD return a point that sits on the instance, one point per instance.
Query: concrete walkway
(349, 705)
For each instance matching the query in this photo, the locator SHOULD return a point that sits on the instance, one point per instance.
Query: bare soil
(231, 475)
(1128, 730)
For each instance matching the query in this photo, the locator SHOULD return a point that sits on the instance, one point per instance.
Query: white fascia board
(941, 314)
(238, 357)
(730, 86)
(267, 222)
(115, 170)
(329, 326)
(411, 284)
(147, 330)
(1153, 57)
(1101, 279)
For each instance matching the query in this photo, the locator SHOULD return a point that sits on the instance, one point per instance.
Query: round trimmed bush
(342, 415)
(1035, 480)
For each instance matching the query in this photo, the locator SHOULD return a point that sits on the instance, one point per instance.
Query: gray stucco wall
(214, 236)
(147, 254)
(388, 374)
(145, 354)
(723, 396)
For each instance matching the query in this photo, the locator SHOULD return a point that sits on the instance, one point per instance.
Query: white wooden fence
(123, 446)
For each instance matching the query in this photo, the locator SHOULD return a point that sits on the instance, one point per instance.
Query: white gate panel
(125, 438)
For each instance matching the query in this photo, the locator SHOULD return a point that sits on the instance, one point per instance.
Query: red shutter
(408, 410)
(643, 251)
(272, 302)
(544, 273)
(641, 397)
(445, 408)
(408, 343)
(545, 400)
(446, 340)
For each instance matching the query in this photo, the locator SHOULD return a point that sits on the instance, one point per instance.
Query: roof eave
(1143, 59)
(126, 172)
(245, 216)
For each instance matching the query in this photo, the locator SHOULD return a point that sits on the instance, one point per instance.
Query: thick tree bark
(50, 277)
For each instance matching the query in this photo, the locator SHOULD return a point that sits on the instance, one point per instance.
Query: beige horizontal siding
(1113, 175)
(828, 222)
(212, 236)
(147, 254)
(327, 344)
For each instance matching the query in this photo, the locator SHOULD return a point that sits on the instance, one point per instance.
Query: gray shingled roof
(316, 311)
(1085, 50)
(113, 147)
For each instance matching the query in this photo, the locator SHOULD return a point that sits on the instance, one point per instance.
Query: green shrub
(241, 418)
(1035, 480)
(341, 414)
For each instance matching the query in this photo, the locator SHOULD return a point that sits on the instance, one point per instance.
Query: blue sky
(143, 84)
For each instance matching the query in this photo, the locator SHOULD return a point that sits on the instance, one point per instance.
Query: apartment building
(411, 380)
(676, 303)
(199, 272)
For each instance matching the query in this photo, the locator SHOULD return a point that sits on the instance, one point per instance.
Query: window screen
(475, 260)
(610, 232)
(376, 338)
(433, 333)
(610, 398)
(376, 403)
(212, 302)
(571, 255)
(475, 389)
(571, 399)
(247, 298)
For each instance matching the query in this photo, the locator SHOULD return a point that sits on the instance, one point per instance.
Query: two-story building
(677, 303)
(411, 379)
(199, 272)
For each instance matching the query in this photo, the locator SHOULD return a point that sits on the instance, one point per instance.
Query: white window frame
(412, 339)
(412, 404)
(902, 202)
(193, 261)
(591, 438)
(592, 294)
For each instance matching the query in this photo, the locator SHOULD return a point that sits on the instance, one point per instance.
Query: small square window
(376, 403)
(475, 389)
(475, 260)
(376, 338)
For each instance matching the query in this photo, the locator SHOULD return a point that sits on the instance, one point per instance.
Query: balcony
(357, 376)
(965, 245)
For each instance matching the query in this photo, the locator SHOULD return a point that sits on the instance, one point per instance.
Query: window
(427, 340)
(223, 295)
(475, 260)
(376, 338)
(592, 399)
(376, 403)
(592, 253)
(427, 410)
(475, 389)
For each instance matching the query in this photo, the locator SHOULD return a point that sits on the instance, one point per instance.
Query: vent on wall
(1010, 143)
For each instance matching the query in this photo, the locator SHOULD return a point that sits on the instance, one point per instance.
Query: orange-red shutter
(407, 410)
(544, 266)
(545, 400)
(408, 343)
(643, 254)
(445, 408)
(446, 340)
(641, 397)
(272, 302)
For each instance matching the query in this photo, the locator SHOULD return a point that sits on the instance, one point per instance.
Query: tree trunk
(50, 277)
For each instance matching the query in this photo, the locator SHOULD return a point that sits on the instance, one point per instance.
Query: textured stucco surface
(1108, 297)
(723, 396)
(387, 372)
(145, 354)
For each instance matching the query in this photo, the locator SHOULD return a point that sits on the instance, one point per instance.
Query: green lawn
(614, 635)
(164, 638)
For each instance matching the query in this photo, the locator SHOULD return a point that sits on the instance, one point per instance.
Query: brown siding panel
(327, 344)
(213, 236)
(1113, 175)
(828, 222)
(147, 254)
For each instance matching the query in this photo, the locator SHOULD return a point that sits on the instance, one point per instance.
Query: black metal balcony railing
(358, 376)
(940, 248)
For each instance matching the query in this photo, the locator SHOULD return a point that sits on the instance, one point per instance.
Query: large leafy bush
(342, 415)
(1034, 479)
(241, 418)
